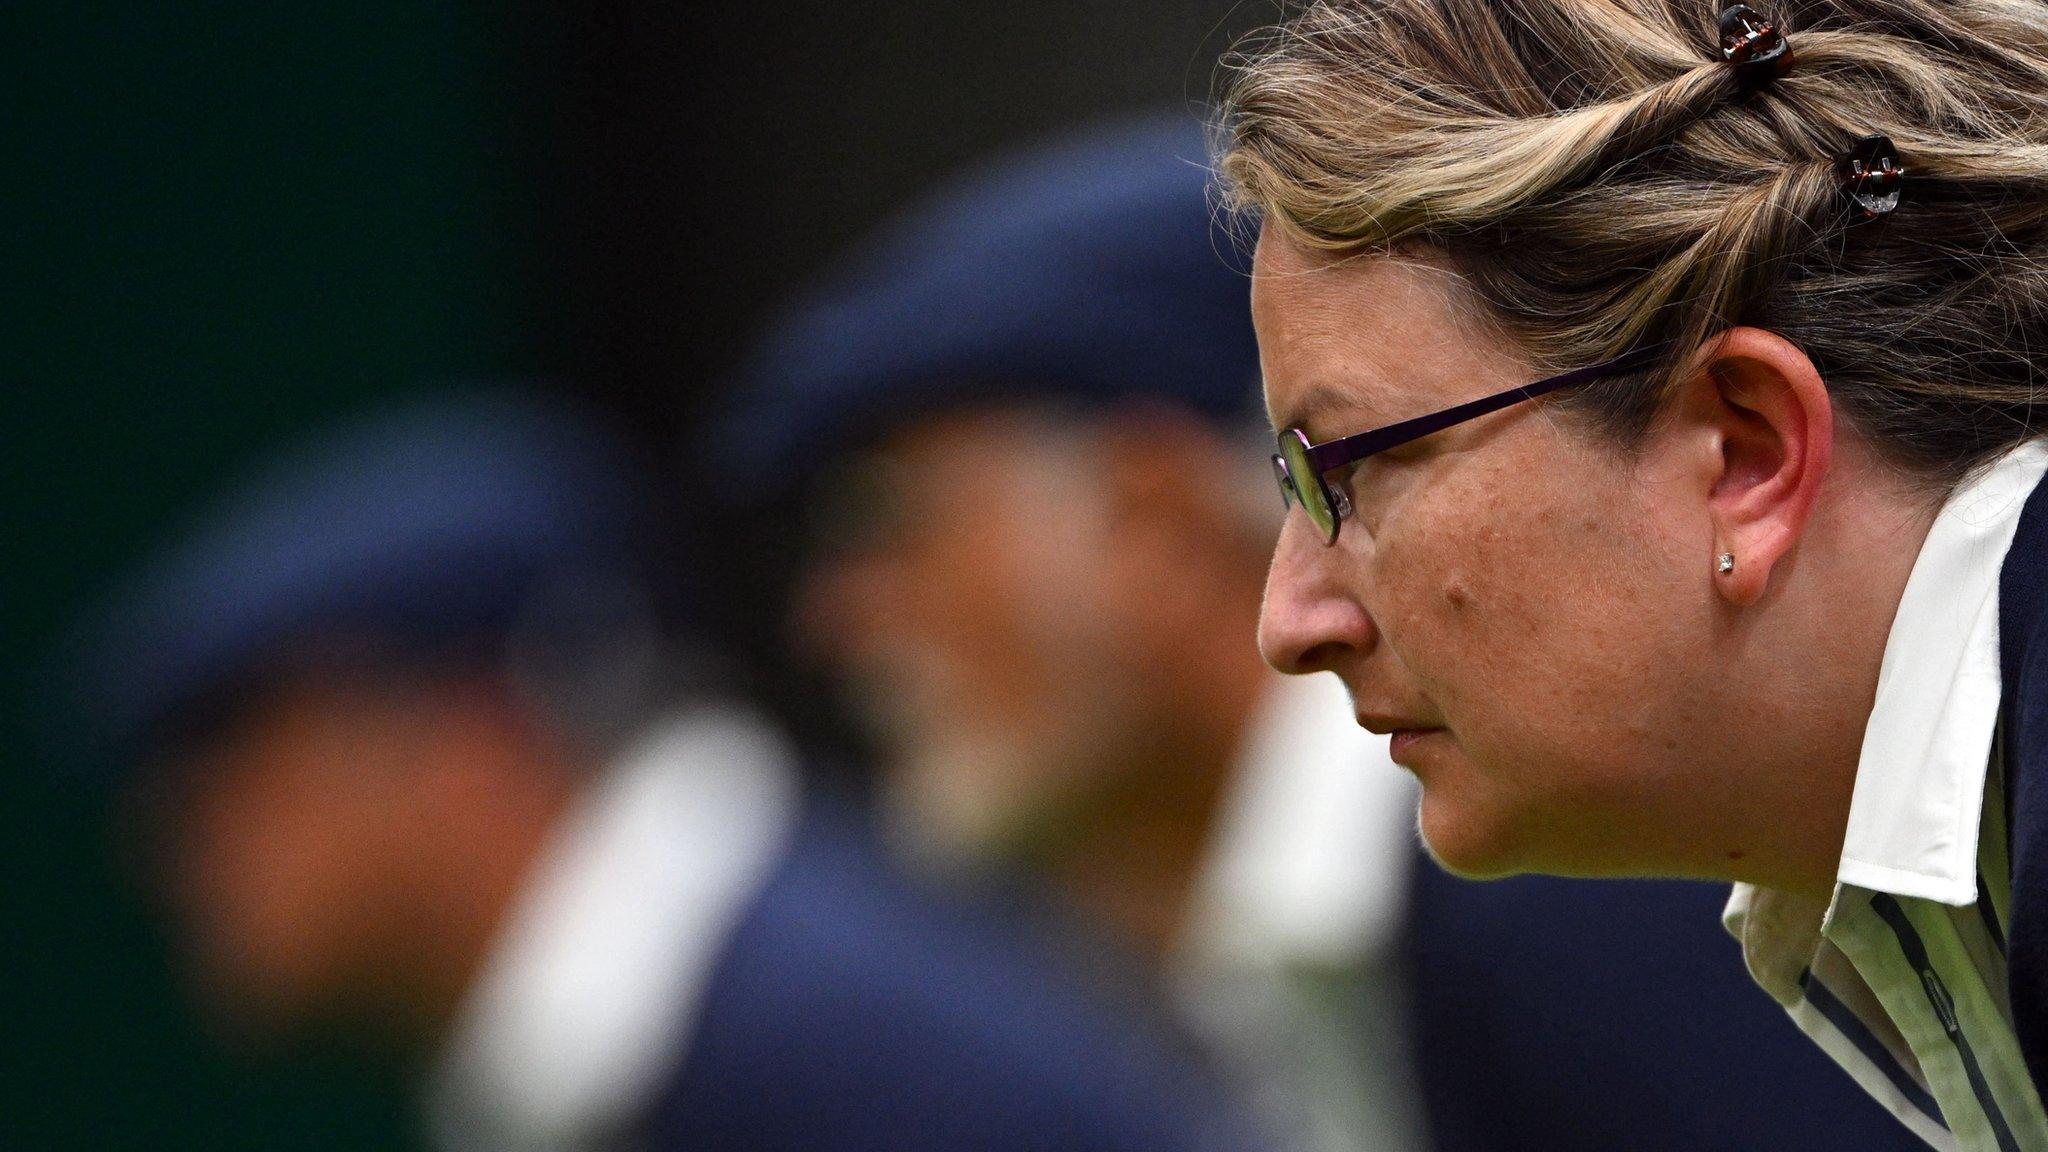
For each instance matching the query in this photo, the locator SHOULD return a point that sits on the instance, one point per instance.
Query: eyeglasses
(1300, 466)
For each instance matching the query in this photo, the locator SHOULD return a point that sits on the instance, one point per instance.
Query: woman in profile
(1657, 399)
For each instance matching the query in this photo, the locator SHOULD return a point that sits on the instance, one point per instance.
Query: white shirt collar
(1310, 859)
(585, 1005)
(1920, 780)
(1919, 791)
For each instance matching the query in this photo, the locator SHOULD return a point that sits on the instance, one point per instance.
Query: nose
(1312, 619)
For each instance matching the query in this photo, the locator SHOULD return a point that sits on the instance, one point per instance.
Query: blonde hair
(1603, 181)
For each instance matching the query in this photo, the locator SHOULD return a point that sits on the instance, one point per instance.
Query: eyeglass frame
(1333, 454)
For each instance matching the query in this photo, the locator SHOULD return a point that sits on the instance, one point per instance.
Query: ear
(1769, 436)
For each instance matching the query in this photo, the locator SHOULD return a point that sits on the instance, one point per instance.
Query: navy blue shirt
(854, 1012)
(1612, 1016)
(2023, 644)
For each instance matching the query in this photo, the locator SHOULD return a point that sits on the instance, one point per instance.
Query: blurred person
(422, 755)
(1016, 418)
(1023, 419)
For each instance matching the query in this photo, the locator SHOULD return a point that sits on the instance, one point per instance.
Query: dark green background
(221, 225)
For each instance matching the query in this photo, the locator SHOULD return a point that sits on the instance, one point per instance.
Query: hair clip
(1872, 175)
(1752, 45)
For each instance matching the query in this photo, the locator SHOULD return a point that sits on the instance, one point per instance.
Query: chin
(247, 1015)
(250, 999)
(1469, 840)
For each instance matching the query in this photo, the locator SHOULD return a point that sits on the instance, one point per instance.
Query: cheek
(1525, 613)
(1510, 585)
(269, 882)
(1452, 589)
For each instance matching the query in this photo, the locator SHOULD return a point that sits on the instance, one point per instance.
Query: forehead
(1375, 338)
(959, 470)
(966, 454)
(968, 429)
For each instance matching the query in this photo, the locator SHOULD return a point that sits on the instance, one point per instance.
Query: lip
(1405, 739)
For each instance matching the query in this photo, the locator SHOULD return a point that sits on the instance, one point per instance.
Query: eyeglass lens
(1307, 485)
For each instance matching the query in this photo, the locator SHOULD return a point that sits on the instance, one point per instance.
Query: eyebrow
(1322, 397)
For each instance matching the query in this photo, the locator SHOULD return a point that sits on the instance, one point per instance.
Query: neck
(1803, 691)
(474, 891)
(1133, 861)
(1134, 867)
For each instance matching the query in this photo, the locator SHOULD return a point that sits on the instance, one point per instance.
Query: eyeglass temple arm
(1350, 449)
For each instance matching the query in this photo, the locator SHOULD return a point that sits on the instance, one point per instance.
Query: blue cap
(1091, 271)
(437, 521)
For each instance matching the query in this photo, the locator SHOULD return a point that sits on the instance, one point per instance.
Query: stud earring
(1724, 563)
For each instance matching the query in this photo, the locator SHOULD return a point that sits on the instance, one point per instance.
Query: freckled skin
(1533, 653)
(1546, 605)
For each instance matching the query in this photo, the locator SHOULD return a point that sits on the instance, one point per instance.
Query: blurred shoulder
(855, 1001)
